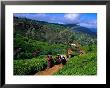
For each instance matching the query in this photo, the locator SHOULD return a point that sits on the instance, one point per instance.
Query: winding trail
(50, 71)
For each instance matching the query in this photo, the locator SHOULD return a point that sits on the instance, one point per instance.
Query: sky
(88, 20)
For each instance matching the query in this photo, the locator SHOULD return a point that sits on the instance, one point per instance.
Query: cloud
(86, 21)
(89, 24)
(72, 17)
(41, 15)
(67, 18)
(31, 15)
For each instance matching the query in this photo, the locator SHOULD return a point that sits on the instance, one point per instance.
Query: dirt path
(50, 71)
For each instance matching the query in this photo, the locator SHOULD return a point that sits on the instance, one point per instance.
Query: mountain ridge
(73, 27)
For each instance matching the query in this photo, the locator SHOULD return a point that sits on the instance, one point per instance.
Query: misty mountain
(78, 28)
(53, 32)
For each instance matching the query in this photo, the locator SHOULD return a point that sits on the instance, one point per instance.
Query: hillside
(34, 39)
(52, 32)
(42, 37)
(78, 28)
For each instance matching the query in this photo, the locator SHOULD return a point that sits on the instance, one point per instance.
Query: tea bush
(29, 66)
(80, 65)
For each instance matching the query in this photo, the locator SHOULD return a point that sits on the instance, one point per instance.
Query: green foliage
(28, 46)
(50, 32)
(80, 65)
(84, 39)
(42, 37)
(27, 67)
(90, 48)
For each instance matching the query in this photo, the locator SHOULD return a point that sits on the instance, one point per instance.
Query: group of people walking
(57, 60)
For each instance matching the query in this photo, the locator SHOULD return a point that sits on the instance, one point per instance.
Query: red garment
(49, 59)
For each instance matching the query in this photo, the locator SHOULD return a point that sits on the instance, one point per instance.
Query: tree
(66, 36)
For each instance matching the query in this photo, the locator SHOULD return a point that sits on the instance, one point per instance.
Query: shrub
(27, 67)
(80, 65)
